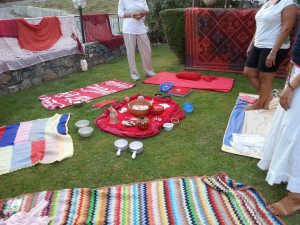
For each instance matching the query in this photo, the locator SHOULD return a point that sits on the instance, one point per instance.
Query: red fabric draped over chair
(97, 29)
(41, 36)
(9, 28)
(217, 39)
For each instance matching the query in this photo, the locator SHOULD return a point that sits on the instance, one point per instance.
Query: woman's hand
(286, 98)
(270, 60)
(137, 16)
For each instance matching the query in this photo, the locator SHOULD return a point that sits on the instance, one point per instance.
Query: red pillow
(208, 78)
(188, 75)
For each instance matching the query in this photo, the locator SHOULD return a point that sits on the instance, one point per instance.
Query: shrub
(156, 32)
(173, 23)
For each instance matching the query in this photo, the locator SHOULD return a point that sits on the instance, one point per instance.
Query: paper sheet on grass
(246, 130)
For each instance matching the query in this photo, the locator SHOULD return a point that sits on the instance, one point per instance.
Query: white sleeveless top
(269, 25)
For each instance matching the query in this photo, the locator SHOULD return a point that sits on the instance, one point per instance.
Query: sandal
(287, 206)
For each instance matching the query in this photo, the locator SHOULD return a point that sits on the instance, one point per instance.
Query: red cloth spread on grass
(41, 36)
(213, 83)
(9, 28)
(97, 29)
(85, 94)
(173, 111)
(217, 39)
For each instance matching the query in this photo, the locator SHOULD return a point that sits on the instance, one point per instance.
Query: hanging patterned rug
(190, 200)
(217, 39)
(61, 100)
(246, 130)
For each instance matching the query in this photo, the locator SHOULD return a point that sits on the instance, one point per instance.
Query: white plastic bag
(83, 65)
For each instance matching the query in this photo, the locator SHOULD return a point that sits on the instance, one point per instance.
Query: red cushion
(208, 78)
(188, 75)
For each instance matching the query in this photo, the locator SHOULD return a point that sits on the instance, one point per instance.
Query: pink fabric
(37, 150)
(9, 28)
(30, 218)
(249, 99)
(23, 132)
(222, 84)
(61, 100)
(173, 111)
(53, 150)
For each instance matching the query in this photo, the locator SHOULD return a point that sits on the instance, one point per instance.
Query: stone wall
(13, 81)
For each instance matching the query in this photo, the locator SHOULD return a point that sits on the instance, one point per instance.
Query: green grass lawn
(193, 148)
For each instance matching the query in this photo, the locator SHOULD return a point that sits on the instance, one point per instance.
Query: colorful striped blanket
(192, 200)
(37, 141)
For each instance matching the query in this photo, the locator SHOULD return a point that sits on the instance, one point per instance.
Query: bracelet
(290, 86)
(273, 52)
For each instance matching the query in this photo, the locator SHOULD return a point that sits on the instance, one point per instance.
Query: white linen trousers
(143, 44)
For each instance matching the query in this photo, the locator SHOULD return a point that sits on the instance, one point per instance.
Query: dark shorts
(257, 59)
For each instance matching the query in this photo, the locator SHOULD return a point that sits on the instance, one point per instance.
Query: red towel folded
(41, 36)
(97, 29)
(8, 28)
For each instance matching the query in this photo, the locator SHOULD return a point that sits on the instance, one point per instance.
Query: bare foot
(254, 106)
(287, 206)
(267, 103)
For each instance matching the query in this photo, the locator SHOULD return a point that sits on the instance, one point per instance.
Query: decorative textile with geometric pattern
(217, 39)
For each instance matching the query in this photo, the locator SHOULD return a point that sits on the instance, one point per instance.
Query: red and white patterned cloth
(61, 100)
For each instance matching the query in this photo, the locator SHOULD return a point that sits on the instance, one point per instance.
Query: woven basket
(141, 112)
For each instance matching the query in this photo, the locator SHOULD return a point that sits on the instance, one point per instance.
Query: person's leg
(130, 43)
(250, 71)
(266, 75)
(253, 76)
(266, 80)
(287, 205)
(145, 51)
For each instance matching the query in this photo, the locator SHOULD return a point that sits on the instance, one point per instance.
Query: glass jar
(143, 123)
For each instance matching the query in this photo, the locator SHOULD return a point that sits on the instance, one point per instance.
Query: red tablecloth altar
(172, 111)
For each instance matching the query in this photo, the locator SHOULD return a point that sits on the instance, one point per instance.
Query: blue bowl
(188, 107)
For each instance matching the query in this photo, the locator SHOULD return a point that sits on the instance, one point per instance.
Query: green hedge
(173, 22)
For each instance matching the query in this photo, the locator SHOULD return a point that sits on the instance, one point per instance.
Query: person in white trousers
(133, 13)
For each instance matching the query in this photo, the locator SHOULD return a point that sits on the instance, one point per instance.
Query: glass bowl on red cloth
(139, 107)
(156, 109)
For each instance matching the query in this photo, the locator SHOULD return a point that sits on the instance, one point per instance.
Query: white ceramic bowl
(82, 123)
(85, 131)
(168, 126)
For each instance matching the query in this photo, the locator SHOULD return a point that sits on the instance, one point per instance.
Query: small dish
(86, 131)
(156, 109)
(175, 121)
(77, 103)
(168, 126)
(82, 123)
